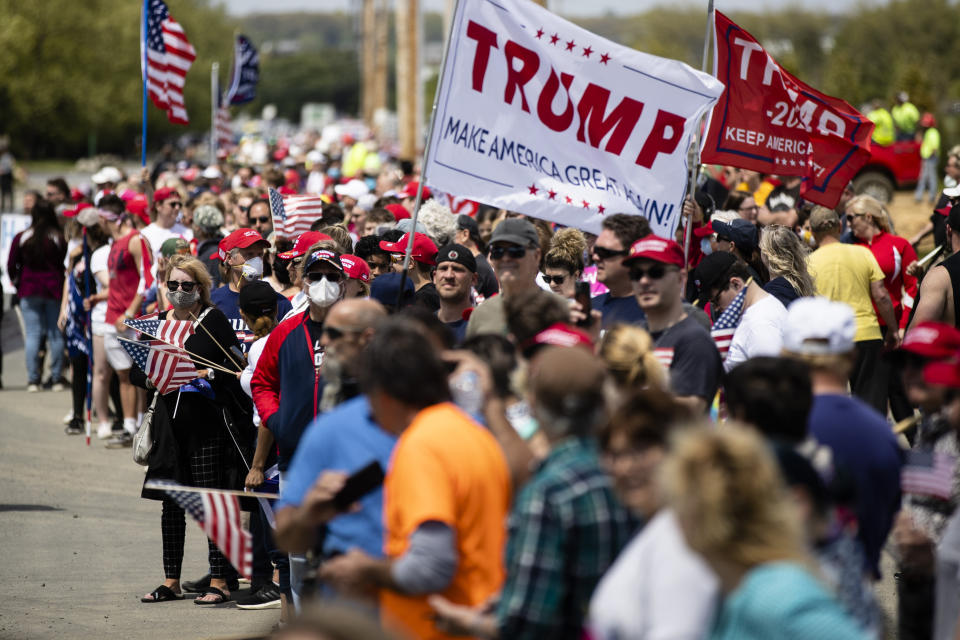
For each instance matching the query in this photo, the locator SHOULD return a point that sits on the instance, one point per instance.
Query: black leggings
(206, 466)
(78, 384)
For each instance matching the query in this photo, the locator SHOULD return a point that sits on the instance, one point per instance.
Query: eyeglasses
(654, 272)
(174, 205)
(52, 194)
(554, 279)
(605, 254)
(261, 219)
(245, 209)
(187, 286)
(317, 276)
(497, 253)
(714, 299)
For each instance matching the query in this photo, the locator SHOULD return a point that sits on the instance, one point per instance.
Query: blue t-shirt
(864, 447)
(228, 302)
(344, 439)
(623, 310)
(459, 330)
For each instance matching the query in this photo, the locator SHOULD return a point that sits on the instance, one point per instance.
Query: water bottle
(466, 392)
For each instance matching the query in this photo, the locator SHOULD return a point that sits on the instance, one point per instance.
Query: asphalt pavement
(79, 545)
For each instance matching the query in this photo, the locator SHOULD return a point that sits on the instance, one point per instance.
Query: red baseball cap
(239, 239)
(70, 213)
(943, 374)
(306, 240)
(410, 191)
(355, 267)
(138, 206)
(424, 250)
(162, 194)
(398, 210)
(704, 231)
(657, 249)
(933, 340)
(560, 335)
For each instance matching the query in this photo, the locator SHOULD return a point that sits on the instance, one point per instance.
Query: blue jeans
(40, 318)
(928, 179)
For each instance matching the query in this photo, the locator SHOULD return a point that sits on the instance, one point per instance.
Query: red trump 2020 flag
(169, 56)
(767, 120)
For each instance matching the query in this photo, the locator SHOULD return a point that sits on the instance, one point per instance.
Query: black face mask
(280, 269)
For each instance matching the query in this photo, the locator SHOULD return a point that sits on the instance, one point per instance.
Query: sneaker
(58, 386)
(267, 597)
(33, 387)
(68, 417)
(104, 431)
(76, 427)
(120, 441)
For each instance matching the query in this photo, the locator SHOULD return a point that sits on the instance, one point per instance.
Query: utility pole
(379, 82)
(367, 60)
(409, 100)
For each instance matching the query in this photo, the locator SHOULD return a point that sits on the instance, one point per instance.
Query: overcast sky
(563, 7)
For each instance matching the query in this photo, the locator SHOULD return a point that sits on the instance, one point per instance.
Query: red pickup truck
(895, 166)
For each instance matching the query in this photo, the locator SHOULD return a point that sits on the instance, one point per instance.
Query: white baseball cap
(818, 326)
(952, 192)
(107, 174)
(354, 189)
(211, 173)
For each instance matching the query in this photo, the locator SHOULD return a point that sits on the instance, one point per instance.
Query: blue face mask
(334, 173)
(705, 246)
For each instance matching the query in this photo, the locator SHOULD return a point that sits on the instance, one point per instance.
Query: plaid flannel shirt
(565, 530)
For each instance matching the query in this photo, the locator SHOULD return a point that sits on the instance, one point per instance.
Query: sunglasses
(261, 219)
(317, 277)
(654, 272)
(173, 285)
(516, 253)
(174, 205)
(335, 334)
(245, 209)
(605, 254)
(554, 279)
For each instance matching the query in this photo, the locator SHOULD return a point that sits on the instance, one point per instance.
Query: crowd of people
(580, 435)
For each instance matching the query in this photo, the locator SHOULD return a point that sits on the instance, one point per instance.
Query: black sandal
(212, 591)
(163, 593)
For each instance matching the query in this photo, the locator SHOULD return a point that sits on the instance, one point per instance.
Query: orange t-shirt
(446, 468)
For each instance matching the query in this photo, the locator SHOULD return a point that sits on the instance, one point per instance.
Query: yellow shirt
(843, 273)
(449, 469)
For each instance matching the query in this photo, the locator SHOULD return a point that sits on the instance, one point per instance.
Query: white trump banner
(539, 116)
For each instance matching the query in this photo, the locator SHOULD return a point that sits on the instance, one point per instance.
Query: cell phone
(581, 293)
(358, 485)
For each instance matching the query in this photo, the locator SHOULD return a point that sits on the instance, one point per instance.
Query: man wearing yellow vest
(930, 157)
(905, 117)
(883, 132)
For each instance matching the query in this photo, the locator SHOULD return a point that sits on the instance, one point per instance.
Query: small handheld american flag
(168, 368)
(293, 215)
(169, 57)
(218, 514)
(928, 473)
(173, 331)
(726, 325)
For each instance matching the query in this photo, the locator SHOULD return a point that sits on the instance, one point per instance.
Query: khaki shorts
(116, 355)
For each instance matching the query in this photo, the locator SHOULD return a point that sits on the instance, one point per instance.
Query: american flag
(928, 473)
(218, 514)
(168, 58)
(293, 215)
(727, 323)
(223, 127)
(173, 331)
(168, 368)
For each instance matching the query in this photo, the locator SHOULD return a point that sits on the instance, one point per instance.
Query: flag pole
(695, 151)
(143, 73)
(88, 332)
(426, 157)
(214, 91)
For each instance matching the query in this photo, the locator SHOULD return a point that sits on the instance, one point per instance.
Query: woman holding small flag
(202, 417)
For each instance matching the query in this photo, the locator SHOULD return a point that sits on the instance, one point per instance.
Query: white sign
(539, 116)
(10, 225)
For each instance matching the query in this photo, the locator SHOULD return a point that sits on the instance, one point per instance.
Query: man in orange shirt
(446, 494)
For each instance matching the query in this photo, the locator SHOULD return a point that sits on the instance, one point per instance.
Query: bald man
(343, 438)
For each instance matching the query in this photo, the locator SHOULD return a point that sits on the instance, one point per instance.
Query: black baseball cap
(257, 298)
(459, 254)
(740, 231)
(711, 270)
(516, 231)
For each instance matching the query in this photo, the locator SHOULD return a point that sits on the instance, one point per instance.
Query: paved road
(80, 547)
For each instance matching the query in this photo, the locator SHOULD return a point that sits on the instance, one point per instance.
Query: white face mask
(252, 269)
(324, 293)
(705, 247)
